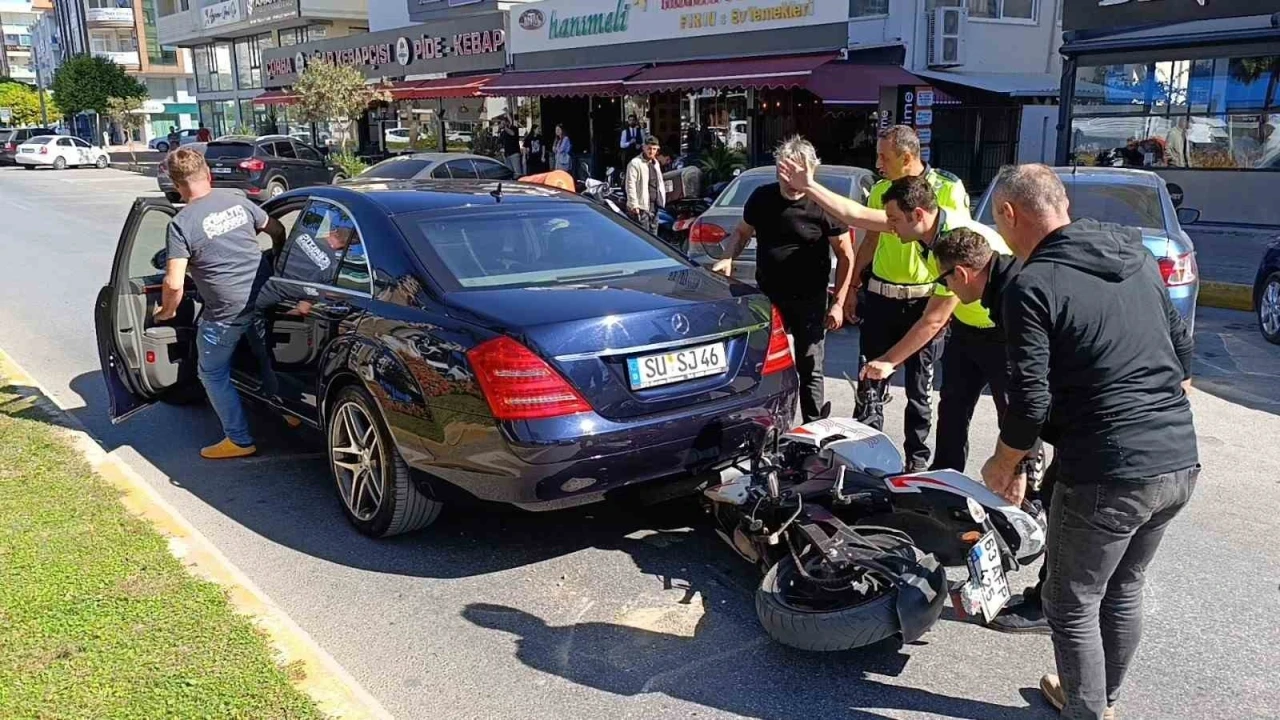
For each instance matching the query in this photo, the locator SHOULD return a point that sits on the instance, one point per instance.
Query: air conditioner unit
(948, 27)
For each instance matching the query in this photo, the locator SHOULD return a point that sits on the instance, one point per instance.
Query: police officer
(899, 285)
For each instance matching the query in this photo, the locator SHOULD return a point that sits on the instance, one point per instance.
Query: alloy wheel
(356, 454)
(1269, 308)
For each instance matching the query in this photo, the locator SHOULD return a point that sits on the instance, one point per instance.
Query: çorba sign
(390, 54)
(562, 24)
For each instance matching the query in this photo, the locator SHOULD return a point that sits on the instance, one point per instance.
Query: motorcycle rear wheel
(864, 621)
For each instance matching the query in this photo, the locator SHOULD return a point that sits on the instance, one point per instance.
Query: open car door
(143, 360)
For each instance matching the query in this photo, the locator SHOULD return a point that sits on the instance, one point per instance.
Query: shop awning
(1011, 84)
(550, 83)
(847, 84)
(758, 73)
(276, 97)
(457, 87)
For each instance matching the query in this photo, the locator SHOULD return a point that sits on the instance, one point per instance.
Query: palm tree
(720, 162)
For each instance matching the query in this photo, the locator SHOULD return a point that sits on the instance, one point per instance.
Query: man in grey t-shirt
(215, 237)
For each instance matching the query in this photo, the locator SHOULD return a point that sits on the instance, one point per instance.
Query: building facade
(1190, 91)
(227, 39)
(17, 18)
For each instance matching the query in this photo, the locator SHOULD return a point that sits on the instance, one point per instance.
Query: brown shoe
(1051, 688)
(227, 450)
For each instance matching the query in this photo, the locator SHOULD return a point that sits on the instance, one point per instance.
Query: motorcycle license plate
(986, 576)
(649, 371)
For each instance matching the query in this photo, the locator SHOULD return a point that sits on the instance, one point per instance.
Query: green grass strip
(97, 619)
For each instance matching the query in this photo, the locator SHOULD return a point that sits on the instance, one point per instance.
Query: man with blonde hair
(215, 237)
(794, 239)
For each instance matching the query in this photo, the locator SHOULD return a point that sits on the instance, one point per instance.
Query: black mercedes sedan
(509, 342)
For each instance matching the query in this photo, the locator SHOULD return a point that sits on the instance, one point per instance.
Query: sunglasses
(942, 279)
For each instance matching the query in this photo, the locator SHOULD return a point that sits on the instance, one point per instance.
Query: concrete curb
(144, 169)
(1228, 296)
(328, 684)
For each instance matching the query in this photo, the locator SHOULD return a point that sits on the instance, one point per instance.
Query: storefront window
(1220, 113)
(249, 60)
(213, 67)
(1003, 9)
(219, 116)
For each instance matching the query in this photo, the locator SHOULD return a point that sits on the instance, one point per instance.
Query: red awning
(774, 72)
(550, 83)
(276, 97)
(456, 87)
(848, 84)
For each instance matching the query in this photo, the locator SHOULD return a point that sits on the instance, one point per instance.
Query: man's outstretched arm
(841, 208)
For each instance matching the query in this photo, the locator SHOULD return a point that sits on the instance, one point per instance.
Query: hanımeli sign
(563, 24)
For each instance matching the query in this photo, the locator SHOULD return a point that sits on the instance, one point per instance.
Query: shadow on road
(1234, 362)
(756, 678)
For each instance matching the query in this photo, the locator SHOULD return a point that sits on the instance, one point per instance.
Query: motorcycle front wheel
(796, 613)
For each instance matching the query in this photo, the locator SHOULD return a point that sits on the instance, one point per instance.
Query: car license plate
(221, 170)
(649, 371)
(25, 151)
(986, 576)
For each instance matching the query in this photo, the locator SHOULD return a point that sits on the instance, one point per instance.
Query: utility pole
(44, 109)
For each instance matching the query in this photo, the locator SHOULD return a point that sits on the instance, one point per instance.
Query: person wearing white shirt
(631, 140)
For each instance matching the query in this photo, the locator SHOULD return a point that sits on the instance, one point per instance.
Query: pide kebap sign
(451, 46)
(563, 24)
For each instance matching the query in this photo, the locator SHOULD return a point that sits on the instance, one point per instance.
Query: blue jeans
(1102, 535)
(216, 343)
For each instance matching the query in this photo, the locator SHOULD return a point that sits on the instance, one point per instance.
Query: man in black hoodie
(1099, 362)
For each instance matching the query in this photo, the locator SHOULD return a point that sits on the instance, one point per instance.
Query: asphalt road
(621, 612)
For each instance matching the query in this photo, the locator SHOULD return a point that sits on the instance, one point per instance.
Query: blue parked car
(1140, 199)
(504, 341)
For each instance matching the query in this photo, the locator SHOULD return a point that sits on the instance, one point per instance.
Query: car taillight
(1178, 270)
(519, 385)
(778, 357)
(706, 233)
(253, 165)
(11, 147)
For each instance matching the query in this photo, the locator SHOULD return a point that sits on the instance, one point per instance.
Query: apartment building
(17, 59)
(226, 39)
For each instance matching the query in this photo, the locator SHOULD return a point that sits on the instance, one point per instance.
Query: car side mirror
(1175, 194)
(160, 259)
(1188, 216)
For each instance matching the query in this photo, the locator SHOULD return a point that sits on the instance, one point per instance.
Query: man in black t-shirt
(794, 240)
(511, 147)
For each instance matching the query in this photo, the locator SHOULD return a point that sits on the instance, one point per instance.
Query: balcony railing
(126, 59)
(109, 16)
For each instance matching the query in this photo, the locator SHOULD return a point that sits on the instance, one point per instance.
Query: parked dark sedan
(1266, 293)
(518, 344)
(11, 138)
(266, 167)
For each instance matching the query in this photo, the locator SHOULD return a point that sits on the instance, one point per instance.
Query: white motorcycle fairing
(1029, 529)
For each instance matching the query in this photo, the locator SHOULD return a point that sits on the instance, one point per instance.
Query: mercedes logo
(680, 323)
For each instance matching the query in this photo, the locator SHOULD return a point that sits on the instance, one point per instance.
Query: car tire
(337, 178)
(29, 167)
(275, 188)
(101, 163)
(162, 147)
(59, 163)
(1268, 309)
(361, 451)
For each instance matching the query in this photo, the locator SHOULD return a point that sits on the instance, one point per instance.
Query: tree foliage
(329, 93)
(87, 82)
(24, 101)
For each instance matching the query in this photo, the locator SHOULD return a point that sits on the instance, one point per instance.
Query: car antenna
(497, 192)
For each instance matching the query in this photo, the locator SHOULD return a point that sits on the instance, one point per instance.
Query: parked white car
(396, 136)
(185, 137)
(60, 152)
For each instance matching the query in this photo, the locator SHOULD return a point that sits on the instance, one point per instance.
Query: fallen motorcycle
(853, 551)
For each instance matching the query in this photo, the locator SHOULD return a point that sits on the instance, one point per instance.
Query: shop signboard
(1118, 14)
(259, 12)
(915, 110)
(468, 44)
(565, 24)
(220, 14)
(119, 15)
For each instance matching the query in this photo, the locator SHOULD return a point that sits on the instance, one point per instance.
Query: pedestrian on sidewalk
(645, 189)
(1091, 373)
(215, 237)
(562, 151)
(203, 135)
(795, 240)
(510, 138)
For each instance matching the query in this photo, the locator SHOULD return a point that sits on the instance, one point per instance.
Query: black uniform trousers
(974, 359)
(884, 322)
(806, 320)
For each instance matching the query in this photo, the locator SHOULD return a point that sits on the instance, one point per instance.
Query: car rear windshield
(1120, 203)
(396, 169)
(537, 246)
(5, 135)
(739, 190)
(228, 150)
